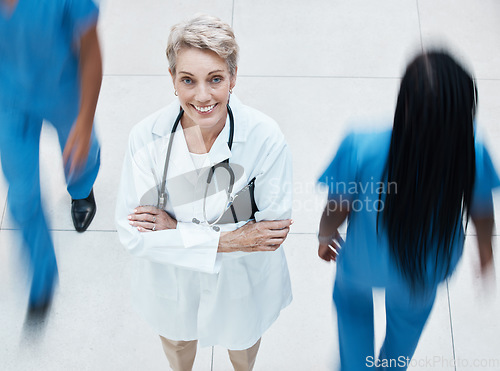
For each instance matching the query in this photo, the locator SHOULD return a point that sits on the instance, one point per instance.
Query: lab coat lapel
(181, 163)
(220, 150)
(180, 159)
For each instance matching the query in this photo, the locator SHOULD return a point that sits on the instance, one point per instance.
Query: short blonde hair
(204, 32)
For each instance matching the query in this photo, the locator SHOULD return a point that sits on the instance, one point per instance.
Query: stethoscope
(162, 194)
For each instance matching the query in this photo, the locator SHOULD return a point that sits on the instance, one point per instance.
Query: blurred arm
(484, 229)
(78, 144)
(332, 218)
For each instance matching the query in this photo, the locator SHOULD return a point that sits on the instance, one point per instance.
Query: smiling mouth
(205, 109)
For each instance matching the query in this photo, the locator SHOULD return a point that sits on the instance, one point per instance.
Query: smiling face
(203, 81)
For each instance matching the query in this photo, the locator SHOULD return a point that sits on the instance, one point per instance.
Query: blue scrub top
(39, 51)
(355, 175)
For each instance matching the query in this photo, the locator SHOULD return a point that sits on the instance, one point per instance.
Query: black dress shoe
(83, 211)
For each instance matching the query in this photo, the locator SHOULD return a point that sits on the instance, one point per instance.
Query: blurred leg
(244, 360)
(354, 305)
(180, 354)
(406, 317)
(19, 152)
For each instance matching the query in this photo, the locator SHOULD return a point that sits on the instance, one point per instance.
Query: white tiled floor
(315, 67)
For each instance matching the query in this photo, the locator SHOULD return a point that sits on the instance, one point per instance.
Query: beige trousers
(180, 355)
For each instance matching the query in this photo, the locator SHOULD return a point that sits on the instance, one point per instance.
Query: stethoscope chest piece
(216, 228)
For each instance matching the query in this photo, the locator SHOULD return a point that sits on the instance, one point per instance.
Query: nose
(203, 93)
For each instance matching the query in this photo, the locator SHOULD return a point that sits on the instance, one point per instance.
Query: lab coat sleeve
(190, 246)
(273, 182)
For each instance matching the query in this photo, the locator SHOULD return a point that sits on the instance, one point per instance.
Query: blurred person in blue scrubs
(50, 69)
(406, 193)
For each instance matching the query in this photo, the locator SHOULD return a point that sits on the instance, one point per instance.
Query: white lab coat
(181, 285)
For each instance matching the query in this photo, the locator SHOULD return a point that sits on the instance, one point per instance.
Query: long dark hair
(432, 161)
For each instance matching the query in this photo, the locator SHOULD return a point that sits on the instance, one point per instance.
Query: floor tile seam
(66, 230)
(492, 79)
(419, 26)
(451, 325)
(212, 360)
(114, 231)
(2, 217)
(232, 15)
(273, 76)
(315, 233)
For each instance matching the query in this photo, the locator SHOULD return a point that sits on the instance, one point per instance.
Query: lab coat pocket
(161, 280)
(243, 275)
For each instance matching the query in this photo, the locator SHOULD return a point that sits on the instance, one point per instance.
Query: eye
(187, 81)
(217, 79)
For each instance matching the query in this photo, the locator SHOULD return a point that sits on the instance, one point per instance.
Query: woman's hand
(255, 236)
(150, 219)
(329, 250)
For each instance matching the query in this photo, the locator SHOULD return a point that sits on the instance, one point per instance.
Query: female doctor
(197, 279)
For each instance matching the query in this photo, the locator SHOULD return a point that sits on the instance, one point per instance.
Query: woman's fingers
(276, 224)
(143, 218)
(279, 233)
(142, 229)
(147, 210)
(143, 225)
(274, 237)
(150, 218)
(256, 236)
(262, 248)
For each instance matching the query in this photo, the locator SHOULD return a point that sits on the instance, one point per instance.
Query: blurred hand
(150, 219)
(256, 236)
(77, 146)
(329, 251)
(488, 274)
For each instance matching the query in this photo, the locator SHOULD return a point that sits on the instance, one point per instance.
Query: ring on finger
(154, 227)
(154, 219)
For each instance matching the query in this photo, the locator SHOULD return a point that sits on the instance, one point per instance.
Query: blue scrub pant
(19, 153)
(405, 319)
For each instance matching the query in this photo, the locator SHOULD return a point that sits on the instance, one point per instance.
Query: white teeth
(205, 109)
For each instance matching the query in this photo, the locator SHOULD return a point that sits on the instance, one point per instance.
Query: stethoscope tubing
(225, 164)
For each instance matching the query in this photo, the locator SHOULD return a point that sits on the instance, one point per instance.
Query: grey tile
(3, 196)
(303, 336)
(488, 122)
(314, 115)
(92, 322)
(318, 38)
(124, 101)
(468, 27)
(475, 305)
(357, 39)
(134, 37)
(55, 199)
(488, 128)
(435, 347)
